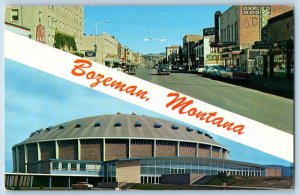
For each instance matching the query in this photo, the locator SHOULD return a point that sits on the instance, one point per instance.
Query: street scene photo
(62, 136)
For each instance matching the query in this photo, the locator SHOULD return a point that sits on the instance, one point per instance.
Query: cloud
(147, 39)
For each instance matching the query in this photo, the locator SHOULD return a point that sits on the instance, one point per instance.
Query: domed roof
(121, 126)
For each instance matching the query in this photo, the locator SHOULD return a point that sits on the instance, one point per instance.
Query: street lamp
(96, 34)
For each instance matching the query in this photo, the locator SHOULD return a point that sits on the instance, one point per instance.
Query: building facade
(280, 34)
(45, 22)
(188, 50)
(172, 54)
(241, 26)
(120, 148)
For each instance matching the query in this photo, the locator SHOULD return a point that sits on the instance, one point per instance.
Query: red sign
(40, 33)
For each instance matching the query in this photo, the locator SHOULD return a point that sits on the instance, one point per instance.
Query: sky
(132, 24)
(35, 99)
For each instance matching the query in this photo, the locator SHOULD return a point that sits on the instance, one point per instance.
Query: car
(155, 66)
(218, 70)
(200, 68)
(163, 69)
(208, 70)
(181, 67)
(235, 72)
(130, 70)
(82, 185)
(175, 67)
(239, 73)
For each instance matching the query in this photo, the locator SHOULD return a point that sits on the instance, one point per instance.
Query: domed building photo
(123, 148)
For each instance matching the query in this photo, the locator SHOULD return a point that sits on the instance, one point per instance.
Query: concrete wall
(188, 178)
(128, 171)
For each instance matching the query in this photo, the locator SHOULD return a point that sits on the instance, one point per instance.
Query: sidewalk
(278, 85)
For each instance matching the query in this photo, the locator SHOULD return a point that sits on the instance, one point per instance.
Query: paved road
(269, 109)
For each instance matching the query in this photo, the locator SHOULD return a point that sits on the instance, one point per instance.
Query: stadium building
(121, 148)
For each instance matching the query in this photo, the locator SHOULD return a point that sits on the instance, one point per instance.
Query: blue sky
(132, 24)
(35, 99)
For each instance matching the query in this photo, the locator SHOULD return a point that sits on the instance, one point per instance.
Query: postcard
(149, 97)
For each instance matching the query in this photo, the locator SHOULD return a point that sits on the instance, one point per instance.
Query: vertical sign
(217, 16)
(40, 33)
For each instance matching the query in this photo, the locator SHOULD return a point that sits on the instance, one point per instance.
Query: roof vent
(49, 128)
(118, 112)
(118, 124)
(207, 135)
(133, 113)
(157, 125)
(174, 127)
(35, 132)
(78, 125)
(199, 132)
(61, 126)
(189, 129)
(137, 124)
(97, 124)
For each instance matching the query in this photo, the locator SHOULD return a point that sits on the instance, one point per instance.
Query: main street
(269, 109)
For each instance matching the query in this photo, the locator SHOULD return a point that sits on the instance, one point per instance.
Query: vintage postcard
(149, 97)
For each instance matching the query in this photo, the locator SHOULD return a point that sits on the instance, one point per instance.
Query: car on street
(163, 69)
(181, 67)
(239, 73)
(235, 72)
(82, 185)
(209, 71)
(200, 68)
(218, 70)
(130, 70)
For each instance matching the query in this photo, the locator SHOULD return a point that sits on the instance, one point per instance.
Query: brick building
(45, 22)
(241, 26)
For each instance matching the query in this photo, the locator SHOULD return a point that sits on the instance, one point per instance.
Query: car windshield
(164, 66)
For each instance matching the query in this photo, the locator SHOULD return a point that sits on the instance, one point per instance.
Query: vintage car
(235, 72)
(163, 69)
(130, 70)
(82, 185)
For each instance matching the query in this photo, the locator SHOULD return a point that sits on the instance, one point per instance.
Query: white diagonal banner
(150, 96)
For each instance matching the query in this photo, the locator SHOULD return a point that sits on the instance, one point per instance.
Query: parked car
(228, 73)
(175, 66)
(218, 70)
(163, 69)
(208, 71)
(181, 67)
(239, 73)
(82, 185)
(200, 68)
(235, 72)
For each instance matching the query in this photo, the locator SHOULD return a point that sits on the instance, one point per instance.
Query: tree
(180, 55)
